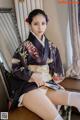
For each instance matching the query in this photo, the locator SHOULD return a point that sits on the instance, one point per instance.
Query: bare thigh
(37, 101)
(59, 97)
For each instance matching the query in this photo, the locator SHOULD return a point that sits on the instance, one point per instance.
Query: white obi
(42, 70)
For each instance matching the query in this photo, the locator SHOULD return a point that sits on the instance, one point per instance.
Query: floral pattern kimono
(32, 52)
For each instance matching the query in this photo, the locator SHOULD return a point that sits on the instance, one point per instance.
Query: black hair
(34, 13)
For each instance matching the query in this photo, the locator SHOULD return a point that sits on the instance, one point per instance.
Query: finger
(41, 83)
(37, 84)
(46, 84)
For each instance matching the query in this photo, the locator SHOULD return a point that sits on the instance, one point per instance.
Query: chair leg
(65, 112)
(69, 113)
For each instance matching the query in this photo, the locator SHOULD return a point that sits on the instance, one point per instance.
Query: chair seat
(71, 84)
(22, 113)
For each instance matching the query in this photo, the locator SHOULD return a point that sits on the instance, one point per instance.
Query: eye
(43, 23)
(35, 23)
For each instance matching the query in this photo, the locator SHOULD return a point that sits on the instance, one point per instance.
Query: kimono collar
(43, 51)
(42, 41)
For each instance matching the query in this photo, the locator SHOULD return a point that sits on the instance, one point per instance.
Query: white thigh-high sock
(58, 117)
(74, 99)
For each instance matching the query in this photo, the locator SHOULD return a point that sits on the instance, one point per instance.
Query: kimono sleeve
(19, 65)
(56, 66)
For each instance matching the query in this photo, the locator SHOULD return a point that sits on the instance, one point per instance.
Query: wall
(6, 3)
(57, 27)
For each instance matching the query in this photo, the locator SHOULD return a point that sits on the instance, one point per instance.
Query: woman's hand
(36, 77)
(57, 78)
(61, 87)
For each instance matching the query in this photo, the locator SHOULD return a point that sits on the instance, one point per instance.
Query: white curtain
(8, 37)
(23, 7)
(68, 46)
(74, 69)
(8, 32)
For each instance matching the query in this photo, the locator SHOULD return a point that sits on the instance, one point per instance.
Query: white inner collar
(41, 41)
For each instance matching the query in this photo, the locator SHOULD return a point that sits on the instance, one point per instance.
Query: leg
(39, 103)
(59, 97)
(74, 99)
(64, 98)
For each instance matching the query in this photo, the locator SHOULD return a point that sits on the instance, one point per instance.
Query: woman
(34, 64)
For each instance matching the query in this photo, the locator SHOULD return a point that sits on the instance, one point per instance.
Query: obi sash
(42, 70)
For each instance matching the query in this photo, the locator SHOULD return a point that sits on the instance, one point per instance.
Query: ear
(27, 20)
(27, 24)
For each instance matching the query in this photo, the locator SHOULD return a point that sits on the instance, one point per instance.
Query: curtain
(9, 39)
(22, 8)
(74, 69)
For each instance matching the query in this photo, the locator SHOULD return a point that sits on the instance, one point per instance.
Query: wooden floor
(75, 115)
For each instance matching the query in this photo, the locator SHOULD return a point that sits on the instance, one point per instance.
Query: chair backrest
(4, 95)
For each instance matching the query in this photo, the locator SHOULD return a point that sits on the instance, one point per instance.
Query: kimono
(32, 52)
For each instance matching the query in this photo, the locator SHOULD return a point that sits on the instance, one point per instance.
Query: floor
(70, 113)
(75, 115)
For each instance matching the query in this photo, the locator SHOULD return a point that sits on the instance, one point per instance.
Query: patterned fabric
(31, 49)
(32, 52)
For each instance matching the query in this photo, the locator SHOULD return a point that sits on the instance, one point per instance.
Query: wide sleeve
(20, 66)
(56, 66)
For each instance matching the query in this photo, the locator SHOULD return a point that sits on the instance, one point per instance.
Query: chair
(3, 92)
(22, 112)
(70, 84)
(19, 113)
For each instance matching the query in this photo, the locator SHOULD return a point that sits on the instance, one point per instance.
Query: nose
(40, 27)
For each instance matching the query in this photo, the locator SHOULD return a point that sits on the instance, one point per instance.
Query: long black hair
(34, 13)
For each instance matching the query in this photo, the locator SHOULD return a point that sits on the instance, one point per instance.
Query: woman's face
(38, 25)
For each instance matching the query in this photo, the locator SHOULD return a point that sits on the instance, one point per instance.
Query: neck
(38, 37)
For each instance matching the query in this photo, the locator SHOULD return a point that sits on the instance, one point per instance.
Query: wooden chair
(23, 113)
(70, 84)
(19, 113)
